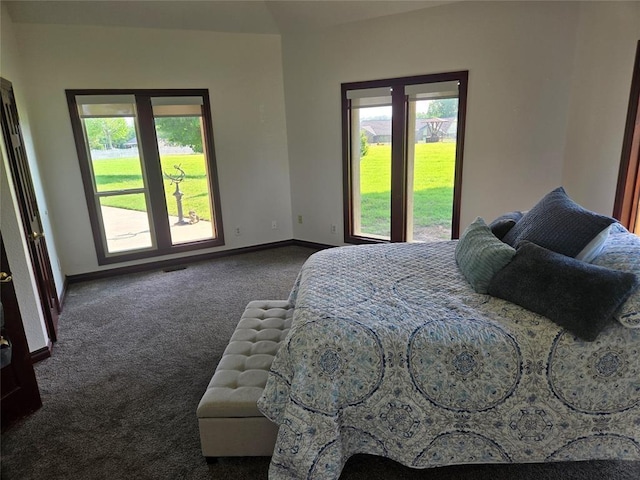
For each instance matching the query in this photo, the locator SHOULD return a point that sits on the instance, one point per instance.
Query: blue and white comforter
(391, 353)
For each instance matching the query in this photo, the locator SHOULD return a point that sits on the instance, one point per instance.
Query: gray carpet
(135, 355)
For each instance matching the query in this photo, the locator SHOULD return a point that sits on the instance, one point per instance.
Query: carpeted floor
(135, 355)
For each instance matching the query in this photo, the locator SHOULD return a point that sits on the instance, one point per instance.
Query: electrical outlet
(334, 228)
(237, 231)
(299, 218)
(274, 225)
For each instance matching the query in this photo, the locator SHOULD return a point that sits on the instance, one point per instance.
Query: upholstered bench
(229, 420)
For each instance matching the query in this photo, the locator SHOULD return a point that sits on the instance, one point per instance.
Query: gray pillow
(501, 225)
(480, 254)
(575, 295)
(558, 223)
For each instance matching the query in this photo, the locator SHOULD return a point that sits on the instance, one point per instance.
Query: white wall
(244, 76)
(519, 57)
(548, 91)
(10, 222)
(607, 39)
(523, 60)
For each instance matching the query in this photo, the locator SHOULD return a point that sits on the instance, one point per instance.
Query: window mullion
(457, 183)
(113, 193)
(398, 164)
(153, 169)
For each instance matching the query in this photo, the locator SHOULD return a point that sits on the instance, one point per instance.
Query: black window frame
(150, 156)
(399, 159)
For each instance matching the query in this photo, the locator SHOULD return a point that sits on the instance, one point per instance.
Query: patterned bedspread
(392, 353)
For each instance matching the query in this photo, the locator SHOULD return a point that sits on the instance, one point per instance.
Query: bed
(392, 352)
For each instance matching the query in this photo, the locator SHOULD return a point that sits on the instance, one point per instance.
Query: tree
(445, 108)
(181, 130)
(364, 144)
(108, 133)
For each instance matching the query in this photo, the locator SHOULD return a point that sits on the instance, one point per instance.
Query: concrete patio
(129, 230)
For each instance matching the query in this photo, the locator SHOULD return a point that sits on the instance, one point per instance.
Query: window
(148, 167)
(627, 201)
(402, 157)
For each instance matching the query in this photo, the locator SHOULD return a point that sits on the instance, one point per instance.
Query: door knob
(36, 235)
(5, 277)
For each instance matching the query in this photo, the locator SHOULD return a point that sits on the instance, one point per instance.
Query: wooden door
(20, 394)
(28, 206)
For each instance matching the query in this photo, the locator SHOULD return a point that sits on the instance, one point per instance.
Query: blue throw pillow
(501, 225)
(480, 254)
(576, 295)
(559, 224)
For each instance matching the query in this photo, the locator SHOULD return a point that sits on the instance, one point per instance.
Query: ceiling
(242, 16)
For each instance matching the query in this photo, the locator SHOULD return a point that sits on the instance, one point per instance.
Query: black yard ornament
(176, 179)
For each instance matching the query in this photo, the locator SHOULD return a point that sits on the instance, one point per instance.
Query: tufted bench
(229, 420)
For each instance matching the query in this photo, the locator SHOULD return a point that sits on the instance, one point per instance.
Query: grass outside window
(124, 173)
(432, 195)
(433, 189)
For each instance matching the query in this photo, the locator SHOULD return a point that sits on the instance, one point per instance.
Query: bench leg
(211, 460)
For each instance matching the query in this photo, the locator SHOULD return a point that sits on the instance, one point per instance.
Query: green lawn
(433, 191)
(124, 173)
(433, 186)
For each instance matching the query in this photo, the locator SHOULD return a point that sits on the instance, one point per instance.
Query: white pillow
(594, 247)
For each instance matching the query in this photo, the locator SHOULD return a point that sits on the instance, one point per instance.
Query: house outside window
(402, 157)
(148, 167)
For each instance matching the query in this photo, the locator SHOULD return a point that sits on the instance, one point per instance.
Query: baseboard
(162, 264)
(174, 262)
(63, 294)
(41, 353)
(317, 246)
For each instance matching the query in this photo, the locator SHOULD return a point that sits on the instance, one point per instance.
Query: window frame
(399, 161)
(152, 175)
(626, 204)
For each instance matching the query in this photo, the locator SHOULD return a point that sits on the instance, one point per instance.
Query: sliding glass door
(402, 149)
